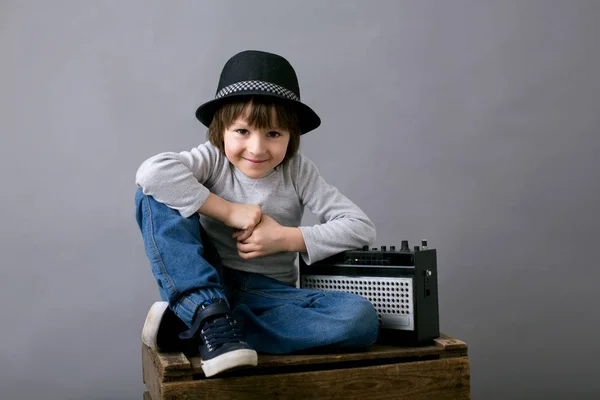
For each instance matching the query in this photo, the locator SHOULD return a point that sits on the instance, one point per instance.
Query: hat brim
(309, 120)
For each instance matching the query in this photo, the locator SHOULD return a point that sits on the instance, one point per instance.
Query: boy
(221, 228)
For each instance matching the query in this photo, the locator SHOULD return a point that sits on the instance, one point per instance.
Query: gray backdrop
(473, 124)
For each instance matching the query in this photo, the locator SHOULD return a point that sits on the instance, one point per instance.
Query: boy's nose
(256, 145)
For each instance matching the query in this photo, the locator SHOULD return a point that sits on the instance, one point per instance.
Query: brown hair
(260, 116)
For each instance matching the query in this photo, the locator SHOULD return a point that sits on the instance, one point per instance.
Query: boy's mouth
(254, 161)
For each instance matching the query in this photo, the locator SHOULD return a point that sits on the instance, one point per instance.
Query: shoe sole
(235, 359)
(152, 323)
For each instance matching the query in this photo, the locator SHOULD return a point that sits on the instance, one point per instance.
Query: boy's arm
(239, 216)
(176, 179)
(269, 237)
(216, 207)
(343, 225)
(293, 239)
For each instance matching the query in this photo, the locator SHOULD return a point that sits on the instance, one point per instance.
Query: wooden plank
(378, 354)
(454, 348)
(437, 379)
(449, 343)
(169, 364)
(152, 377)
(173, 361)
(174, 365)
(377, 351)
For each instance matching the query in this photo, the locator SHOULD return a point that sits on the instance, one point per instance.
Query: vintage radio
(401, 284)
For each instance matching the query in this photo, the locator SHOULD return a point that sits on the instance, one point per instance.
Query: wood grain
(173, 361)
(445, 344)
(150, 371)
(449, 343)
(439, 371)
(435, 379)
(178, 365)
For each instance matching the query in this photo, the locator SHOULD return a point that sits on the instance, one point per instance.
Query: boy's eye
(242, 131)
(273, 134)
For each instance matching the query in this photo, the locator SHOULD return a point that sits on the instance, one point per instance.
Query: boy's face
(254, 151)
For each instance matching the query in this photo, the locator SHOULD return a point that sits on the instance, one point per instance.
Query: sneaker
(223, 347)
(162, 328)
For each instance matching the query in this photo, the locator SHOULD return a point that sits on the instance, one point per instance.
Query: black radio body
(401, 285)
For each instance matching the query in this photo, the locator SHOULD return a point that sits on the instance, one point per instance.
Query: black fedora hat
(257, 73)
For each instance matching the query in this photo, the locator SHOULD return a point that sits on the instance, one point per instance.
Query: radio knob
(365, 248)
(392, 248)
(404, 246)
(383, 248)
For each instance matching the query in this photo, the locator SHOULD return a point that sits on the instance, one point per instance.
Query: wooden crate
(438, 371)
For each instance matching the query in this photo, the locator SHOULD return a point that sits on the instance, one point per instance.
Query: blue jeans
(276, 318)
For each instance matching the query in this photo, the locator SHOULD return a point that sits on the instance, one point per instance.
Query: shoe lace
(220, 331)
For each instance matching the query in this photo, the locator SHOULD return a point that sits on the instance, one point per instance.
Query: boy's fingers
(246, 247)
(247, 256)
(245, 234)
(247, 231)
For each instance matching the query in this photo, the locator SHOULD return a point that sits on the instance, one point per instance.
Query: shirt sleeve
(177, 179)
(343, 225)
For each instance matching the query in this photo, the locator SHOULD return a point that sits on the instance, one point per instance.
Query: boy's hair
(260, 117)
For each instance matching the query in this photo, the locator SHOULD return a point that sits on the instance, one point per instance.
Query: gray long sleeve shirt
(184, 180)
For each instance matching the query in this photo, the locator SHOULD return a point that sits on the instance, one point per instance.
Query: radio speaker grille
(391, 297)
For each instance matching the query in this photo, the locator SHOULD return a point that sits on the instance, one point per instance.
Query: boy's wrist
(293, 240)
(217, 207)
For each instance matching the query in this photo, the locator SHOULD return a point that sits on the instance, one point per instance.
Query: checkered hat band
(257, 86)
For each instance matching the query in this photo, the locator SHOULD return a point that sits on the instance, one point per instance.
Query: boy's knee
(139, 214)
(140, 197)
(362, 327)
(139, 194)
(147, 205)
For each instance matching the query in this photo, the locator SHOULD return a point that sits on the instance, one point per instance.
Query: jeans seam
(155, 247)
(272, 311)
(325, 294)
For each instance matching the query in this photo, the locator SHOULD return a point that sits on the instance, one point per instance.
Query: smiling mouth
(255, 161)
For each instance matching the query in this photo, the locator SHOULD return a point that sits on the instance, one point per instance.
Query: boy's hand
(244, 217)
(268, 237)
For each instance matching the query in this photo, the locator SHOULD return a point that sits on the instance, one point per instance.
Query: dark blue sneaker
(223, 347)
